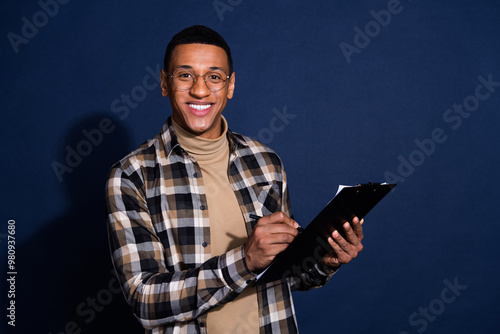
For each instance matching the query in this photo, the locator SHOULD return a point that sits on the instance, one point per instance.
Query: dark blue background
(349, 122)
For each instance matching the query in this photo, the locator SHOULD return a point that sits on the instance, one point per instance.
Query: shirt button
(204, 244)
(271, 191)
(202, 207)
(195, 175)
(202, 324)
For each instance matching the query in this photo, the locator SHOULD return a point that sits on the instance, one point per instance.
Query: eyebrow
(215, 68)
(212, 68)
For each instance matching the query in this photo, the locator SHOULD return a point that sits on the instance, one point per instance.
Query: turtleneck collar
(204, 150)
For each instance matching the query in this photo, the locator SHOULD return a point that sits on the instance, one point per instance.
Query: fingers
(279, 218)
(350, 235)
(343, 251)
(341, 246)
(357, 227)
(346, 249)
(278, 223)
(353, 232)
(271, 235)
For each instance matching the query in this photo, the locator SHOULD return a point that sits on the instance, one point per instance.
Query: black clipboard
(311, 245)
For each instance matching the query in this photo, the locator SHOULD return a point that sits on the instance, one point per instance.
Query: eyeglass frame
(204, 79)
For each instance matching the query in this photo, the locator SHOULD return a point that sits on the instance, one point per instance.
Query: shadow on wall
(66, 282)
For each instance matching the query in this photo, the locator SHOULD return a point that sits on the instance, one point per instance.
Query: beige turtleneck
(227, 226)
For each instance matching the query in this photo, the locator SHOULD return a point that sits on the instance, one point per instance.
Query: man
(182, 240)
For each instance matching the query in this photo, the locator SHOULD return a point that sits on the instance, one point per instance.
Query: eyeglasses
(185, 80)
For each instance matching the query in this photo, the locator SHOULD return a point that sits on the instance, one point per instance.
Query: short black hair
(197, 34)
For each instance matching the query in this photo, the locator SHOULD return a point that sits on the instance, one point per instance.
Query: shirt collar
(171, 143)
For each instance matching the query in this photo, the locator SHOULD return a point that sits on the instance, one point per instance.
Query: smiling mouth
(199, 106)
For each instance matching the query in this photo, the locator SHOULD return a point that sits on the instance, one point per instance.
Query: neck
(202, 149)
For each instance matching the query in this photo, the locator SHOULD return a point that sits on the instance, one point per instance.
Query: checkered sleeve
(157, 296)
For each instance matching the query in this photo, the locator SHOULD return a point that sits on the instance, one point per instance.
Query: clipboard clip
(371, 184)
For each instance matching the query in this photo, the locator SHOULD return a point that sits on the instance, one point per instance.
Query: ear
(230, 89)
(164, 83)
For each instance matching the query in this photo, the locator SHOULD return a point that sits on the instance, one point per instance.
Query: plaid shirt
(159, 233)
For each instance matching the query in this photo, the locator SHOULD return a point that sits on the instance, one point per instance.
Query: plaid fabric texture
(159, 234)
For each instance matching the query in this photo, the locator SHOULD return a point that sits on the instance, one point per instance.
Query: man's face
(198, 110)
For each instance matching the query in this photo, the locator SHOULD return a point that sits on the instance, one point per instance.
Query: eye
(214, 77)
(184, 75)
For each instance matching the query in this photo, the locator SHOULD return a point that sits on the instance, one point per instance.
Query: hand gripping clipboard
(311, 245)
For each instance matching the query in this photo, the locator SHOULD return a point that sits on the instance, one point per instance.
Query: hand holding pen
(271, 235)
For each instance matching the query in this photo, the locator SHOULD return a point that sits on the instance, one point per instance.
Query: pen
(300, 229)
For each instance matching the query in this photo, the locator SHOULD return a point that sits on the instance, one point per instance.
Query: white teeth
(199, 106)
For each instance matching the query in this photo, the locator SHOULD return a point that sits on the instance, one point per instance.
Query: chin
(199, 127)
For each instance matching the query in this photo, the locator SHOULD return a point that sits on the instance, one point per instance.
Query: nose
(200, 88)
